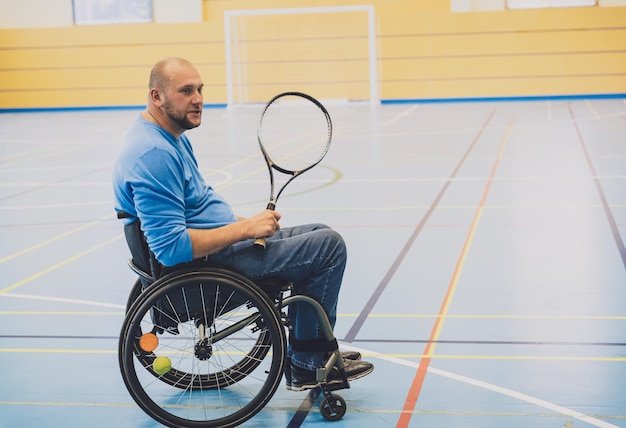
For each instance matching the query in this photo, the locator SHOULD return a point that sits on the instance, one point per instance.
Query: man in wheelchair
(157, 182)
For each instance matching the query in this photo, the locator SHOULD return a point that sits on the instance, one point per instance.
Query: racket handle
(260, 242)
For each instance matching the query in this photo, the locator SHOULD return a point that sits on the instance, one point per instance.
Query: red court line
(367, 309)
(420, 376)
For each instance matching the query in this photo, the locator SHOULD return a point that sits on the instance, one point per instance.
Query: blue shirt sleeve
(156, 179)
(158, 191)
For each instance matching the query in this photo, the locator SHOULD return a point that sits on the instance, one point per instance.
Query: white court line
(209, 172)
(64, 300)
(227, 182)
(400, 115)
(593, 110)
(46, 206)
(480, 384)
(491, 387)
(41, 184)
(549, 105)
(460, 179)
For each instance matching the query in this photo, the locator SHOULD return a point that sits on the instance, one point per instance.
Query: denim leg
(313, 257)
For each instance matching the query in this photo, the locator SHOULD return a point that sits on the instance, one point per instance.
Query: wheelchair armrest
(139, 271)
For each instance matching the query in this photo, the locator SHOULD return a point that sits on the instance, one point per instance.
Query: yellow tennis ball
(161, 365)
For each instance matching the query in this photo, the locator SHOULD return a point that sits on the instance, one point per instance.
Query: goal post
(329, 52)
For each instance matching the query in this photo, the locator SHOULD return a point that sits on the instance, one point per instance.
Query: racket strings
(295, 134)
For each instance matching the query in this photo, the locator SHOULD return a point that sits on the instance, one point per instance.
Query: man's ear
(156, 97)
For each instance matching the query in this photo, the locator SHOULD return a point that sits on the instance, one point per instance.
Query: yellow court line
(593, 110)
(422, 369)
(36, 154)
(51, 240)
(502, 357)
(373, 355)
(443, 313)
(514, 317)
(65, 404)
(58, 265)
(108, 217)
(349, 410)
(241, 178)
(241, 161)
(101, 351)
(55, 351)
(398, 316)
(237, 162)
(63, 313)
(441, 207)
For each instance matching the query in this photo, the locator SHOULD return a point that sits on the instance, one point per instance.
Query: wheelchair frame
(222, 336)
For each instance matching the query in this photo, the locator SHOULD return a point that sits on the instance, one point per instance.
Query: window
(537, 4)
(90, 12)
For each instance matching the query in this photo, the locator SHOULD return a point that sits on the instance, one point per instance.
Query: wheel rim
(193, 392)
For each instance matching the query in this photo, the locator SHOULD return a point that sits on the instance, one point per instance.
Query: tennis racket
(294, 135)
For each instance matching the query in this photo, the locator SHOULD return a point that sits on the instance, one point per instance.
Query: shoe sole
(331, 383)
(289, 388)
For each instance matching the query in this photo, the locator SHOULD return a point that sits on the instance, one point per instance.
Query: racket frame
(273, 166)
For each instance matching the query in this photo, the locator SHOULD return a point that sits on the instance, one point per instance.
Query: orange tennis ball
(148, 342)
(161, 365)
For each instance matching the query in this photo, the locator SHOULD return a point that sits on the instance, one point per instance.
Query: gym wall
(426, 50)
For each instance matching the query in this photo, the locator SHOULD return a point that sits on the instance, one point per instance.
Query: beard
(180, 117)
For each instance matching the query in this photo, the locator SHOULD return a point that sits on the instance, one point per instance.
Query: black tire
(248, 358)
(134, 294)
(340, 406)
(228, 376)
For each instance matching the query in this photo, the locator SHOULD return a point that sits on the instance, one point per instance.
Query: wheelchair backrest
(142, 258)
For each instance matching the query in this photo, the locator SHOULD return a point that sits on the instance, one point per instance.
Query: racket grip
(260, 242)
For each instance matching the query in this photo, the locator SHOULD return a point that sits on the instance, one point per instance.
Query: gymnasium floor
(486, 277)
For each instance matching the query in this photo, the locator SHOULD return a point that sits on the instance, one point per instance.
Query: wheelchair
(204, 346)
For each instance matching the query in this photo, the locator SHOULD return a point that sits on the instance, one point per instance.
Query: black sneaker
(302, 379)
(347, 355)
(351, 355)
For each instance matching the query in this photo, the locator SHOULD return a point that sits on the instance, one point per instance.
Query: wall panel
(424, 51)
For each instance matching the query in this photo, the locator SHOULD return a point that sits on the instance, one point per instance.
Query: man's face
(182, 101)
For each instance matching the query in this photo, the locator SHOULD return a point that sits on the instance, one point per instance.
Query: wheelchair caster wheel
(334, 411)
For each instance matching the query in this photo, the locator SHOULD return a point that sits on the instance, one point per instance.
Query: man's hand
(264, 224)
(207, 241)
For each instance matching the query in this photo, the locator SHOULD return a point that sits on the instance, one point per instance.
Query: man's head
(176, 91)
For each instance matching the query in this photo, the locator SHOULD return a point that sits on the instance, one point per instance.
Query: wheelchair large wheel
(223, 339)
(134, 294)
(230, 374)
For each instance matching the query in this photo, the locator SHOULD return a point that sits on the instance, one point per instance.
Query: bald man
(156, 180)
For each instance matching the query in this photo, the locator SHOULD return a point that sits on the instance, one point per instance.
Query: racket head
(294, 132)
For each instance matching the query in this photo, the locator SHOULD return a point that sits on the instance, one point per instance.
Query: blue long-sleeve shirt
(156, 179)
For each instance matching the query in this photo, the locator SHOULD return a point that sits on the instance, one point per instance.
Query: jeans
(313, 258)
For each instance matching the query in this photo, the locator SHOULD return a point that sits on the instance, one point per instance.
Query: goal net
(327, 52)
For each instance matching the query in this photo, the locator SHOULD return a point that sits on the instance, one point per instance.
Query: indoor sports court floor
(486, 277)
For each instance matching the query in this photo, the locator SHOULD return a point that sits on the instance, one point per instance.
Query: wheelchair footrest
(333, 386)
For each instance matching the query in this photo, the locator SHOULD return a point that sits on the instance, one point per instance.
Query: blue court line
(394, 341)
(358, 323)
(504, 99)
(619, 242)
(490, 342)
(87, 108)
(382, 101)
(304, 409)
